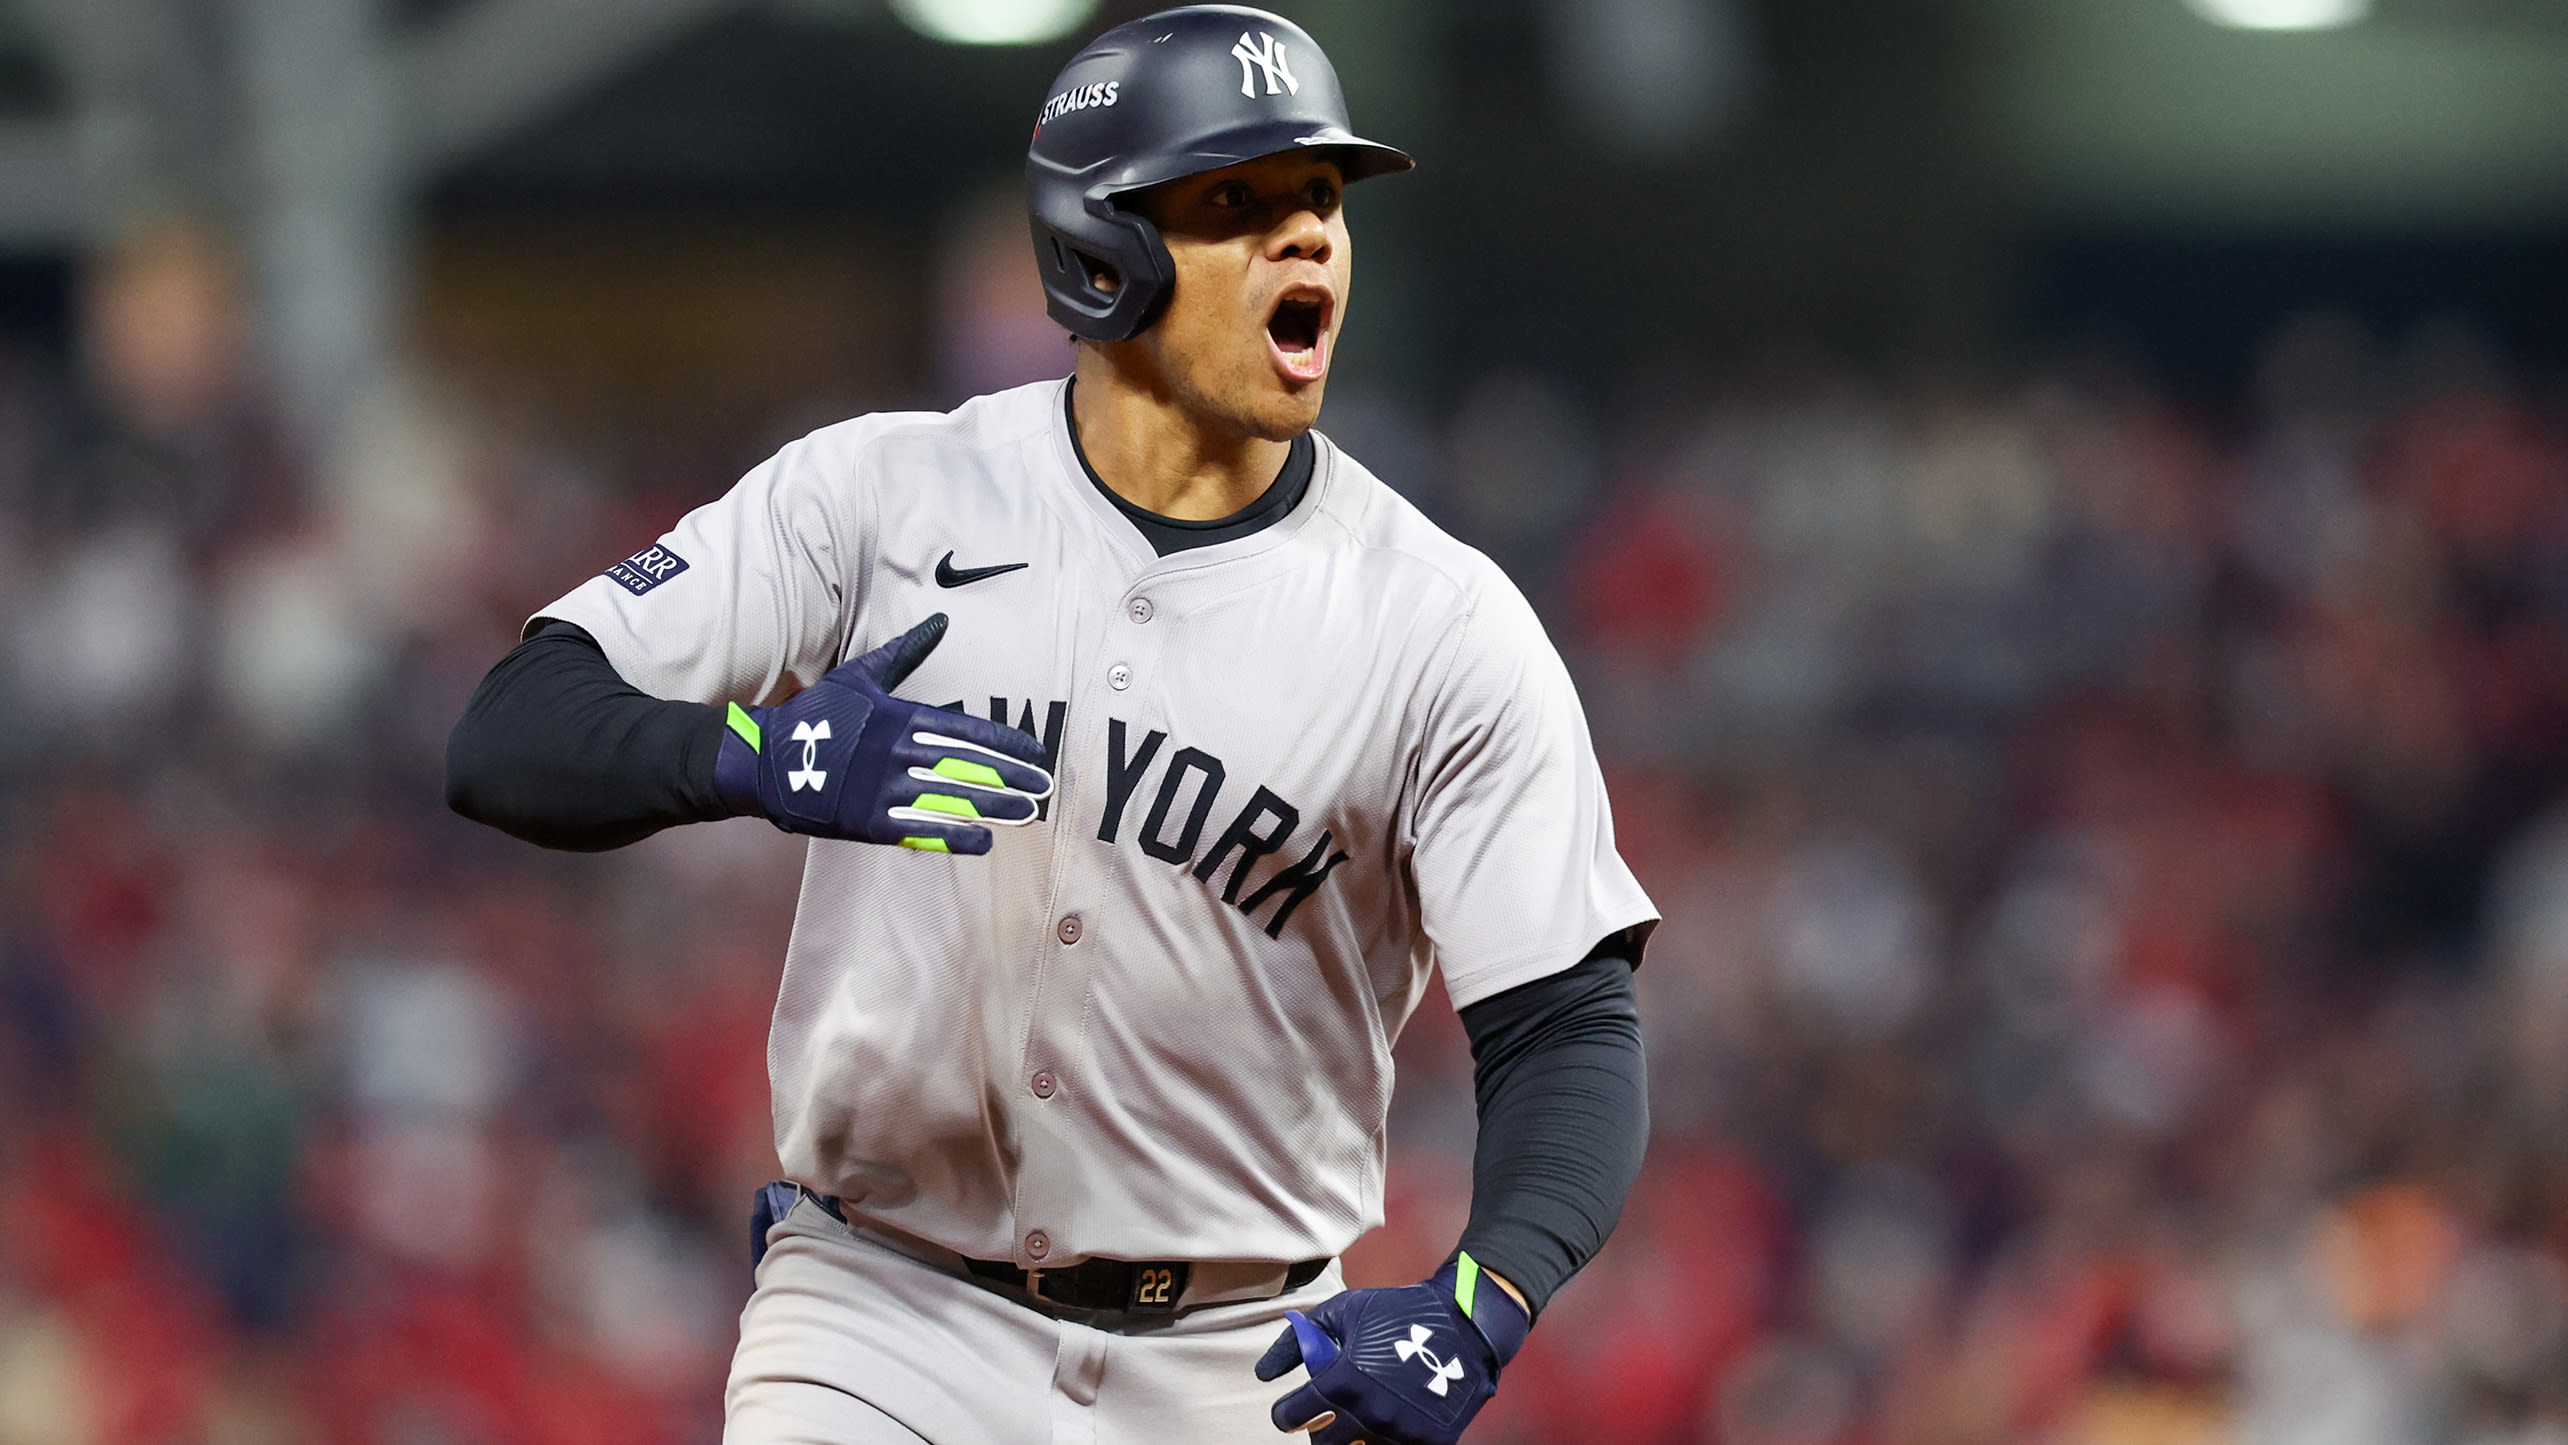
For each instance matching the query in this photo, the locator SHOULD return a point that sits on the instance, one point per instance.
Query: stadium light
(994, 22)
(2281, 14)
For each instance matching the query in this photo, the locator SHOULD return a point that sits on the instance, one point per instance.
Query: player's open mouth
(1297, 332)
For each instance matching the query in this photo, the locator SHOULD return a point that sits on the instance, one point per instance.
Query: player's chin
(1279, 411)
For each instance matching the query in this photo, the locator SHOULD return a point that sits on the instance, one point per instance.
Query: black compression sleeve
(558, 749)
(1564, 1114)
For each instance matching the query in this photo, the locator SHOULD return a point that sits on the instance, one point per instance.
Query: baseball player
(1152, 752)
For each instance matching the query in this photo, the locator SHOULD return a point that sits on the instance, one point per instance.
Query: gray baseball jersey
(1295, 771)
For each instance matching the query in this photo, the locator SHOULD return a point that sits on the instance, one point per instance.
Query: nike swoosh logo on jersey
(949, 575)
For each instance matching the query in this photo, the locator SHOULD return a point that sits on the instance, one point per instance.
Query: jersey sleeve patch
(647, 569)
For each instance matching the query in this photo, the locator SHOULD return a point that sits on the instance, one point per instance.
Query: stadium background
(2058, 510)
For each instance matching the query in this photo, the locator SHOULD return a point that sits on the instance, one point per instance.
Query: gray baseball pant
(855, 1337)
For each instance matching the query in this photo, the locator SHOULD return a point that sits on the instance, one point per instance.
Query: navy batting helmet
(1174, 94)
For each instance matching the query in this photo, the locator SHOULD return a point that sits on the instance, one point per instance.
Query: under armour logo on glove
(1441, 1372)
(1398, 1366)
(860, 764)
(811, 735)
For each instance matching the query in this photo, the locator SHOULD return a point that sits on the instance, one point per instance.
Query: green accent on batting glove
(739, 721)
(963, 771)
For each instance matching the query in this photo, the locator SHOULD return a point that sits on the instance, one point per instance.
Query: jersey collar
(1071, 475)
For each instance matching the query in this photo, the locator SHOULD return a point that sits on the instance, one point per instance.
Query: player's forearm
(558, 749)
(1564, 1116)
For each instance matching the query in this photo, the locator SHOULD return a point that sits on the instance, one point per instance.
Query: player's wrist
(735, 763)
(1494, 1308)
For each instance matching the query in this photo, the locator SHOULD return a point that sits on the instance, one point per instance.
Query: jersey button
(1070, 928)
(1139, 609)
(1119, 677)
(1038, 1245)
(1044, 1084)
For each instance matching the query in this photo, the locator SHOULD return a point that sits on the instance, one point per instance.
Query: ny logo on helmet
(1441, 1373)
(1267, 54)
(809, 734)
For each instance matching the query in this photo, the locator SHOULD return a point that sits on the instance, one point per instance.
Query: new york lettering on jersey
(1186, 789)
(1174, 834)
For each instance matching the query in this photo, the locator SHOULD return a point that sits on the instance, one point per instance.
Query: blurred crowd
(2114, 985)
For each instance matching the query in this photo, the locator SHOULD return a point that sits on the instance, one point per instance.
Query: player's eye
(1322, 197)
(1229, 195)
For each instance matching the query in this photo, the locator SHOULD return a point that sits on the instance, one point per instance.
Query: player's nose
(1300, 236)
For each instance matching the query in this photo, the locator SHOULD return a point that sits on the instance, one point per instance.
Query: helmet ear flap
(1149, 272)
(1074, 251)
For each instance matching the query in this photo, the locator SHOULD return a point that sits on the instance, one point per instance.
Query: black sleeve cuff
(1563, 1095)
(558, 749)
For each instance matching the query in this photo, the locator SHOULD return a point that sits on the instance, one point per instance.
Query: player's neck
(1158, 455)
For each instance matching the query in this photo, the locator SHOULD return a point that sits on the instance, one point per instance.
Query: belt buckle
(1155, 1286)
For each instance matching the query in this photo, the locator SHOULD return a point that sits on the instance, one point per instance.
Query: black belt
(1140, 1286)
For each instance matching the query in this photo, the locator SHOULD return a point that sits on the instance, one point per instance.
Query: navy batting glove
(1398, 1366)
(844, 758)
